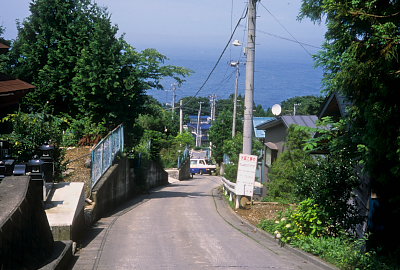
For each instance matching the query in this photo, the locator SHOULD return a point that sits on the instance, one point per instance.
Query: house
(11, 90)
(276, 133)
(334, 106)
(201, 135)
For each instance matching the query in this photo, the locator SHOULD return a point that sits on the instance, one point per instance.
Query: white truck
(202, 166)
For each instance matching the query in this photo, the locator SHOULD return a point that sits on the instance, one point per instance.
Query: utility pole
(212, 102)
(198, 136)
(235, 64)
(294, 107)
(180, 117)
(173, 99)
(249, 91)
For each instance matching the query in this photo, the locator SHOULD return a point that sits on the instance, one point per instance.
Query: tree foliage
(285, 170)
(70, 52)
(220, 131)
(191, 105)
(305, 105)
(360, 58)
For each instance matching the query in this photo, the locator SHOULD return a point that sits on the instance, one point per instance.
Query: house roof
(201, 116)
(202, 126)
(4, 46)
(14, 85)
(258, 121)
(288, 120)
(335, 105)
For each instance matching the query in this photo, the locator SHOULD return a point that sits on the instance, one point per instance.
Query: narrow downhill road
(184, 225)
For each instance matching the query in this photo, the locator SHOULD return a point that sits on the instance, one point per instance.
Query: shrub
(307, 219)
(231, 172)
(30, 131)
(330, 183)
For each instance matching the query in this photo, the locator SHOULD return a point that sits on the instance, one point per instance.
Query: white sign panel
(246, 175)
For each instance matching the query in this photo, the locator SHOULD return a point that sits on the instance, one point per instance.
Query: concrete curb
(302, 254)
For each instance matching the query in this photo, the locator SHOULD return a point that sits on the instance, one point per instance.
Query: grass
(344, 252)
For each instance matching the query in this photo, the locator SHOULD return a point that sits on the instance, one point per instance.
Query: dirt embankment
(259, 211)
(77, 170)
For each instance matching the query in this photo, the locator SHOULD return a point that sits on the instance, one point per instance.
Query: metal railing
(183, 157)
(104, 153)
(230, 189)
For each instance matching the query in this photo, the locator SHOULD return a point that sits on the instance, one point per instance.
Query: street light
(235, 64)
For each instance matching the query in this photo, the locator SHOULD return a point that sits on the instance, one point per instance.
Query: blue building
(200, 131)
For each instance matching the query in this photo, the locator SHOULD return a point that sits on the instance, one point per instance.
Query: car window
(202, 162)
(193, 162)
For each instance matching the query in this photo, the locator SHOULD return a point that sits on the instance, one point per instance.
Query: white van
(202, 166)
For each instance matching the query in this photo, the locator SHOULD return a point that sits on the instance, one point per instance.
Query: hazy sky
(182, 27)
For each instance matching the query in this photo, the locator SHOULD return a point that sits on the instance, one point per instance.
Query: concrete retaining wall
(184, 171)
(26, 241)
(121, 182)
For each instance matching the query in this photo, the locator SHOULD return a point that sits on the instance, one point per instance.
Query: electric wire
(219, 58)
(288, 39)
(287, 31)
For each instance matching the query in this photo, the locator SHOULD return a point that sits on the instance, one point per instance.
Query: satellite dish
(276, 109)
(236, 43)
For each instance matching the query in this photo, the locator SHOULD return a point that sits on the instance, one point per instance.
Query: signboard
(246, 175)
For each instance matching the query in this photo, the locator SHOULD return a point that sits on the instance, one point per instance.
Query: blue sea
(277, 77)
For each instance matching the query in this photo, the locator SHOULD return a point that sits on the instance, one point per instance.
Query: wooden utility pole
(180, 117)
(235, 64)
(249, 91)
(173, 99)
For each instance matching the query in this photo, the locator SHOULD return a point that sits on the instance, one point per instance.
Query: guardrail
(104, 153)
(229, 189)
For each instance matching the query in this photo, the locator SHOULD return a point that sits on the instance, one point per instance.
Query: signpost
(246, 175)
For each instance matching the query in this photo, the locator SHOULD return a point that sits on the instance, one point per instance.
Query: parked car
(202, 166)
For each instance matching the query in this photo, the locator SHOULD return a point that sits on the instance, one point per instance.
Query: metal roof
(288, 120)
(258, 121)
(202, 126)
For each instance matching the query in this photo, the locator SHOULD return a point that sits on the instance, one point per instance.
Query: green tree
(284, 171)
(227, 105)
(70, 52)
(307, 105)
(360, 58)
(191, 105)
(220, 131)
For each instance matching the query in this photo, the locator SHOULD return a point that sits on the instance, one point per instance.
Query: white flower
(288, 225)
(278, 236)
(276, 232)
(276, 221)
(283, 219)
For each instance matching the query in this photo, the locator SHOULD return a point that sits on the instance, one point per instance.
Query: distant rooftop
(288, 120)
(258, 121)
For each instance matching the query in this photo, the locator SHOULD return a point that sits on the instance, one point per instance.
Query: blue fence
(184, 156)
(104, 153)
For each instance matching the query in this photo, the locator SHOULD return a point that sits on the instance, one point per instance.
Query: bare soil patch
(76, 157)
(259, 211)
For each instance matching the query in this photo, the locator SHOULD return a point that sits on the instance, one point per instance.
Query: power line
(288, 39)
(287, 31)
(219, 58)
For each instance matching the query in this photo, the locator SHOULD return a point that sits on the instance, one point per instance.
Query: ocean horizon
(277, 78)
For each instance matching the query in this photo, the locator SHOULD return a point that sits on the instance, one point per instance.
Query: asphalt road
(184, 225)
